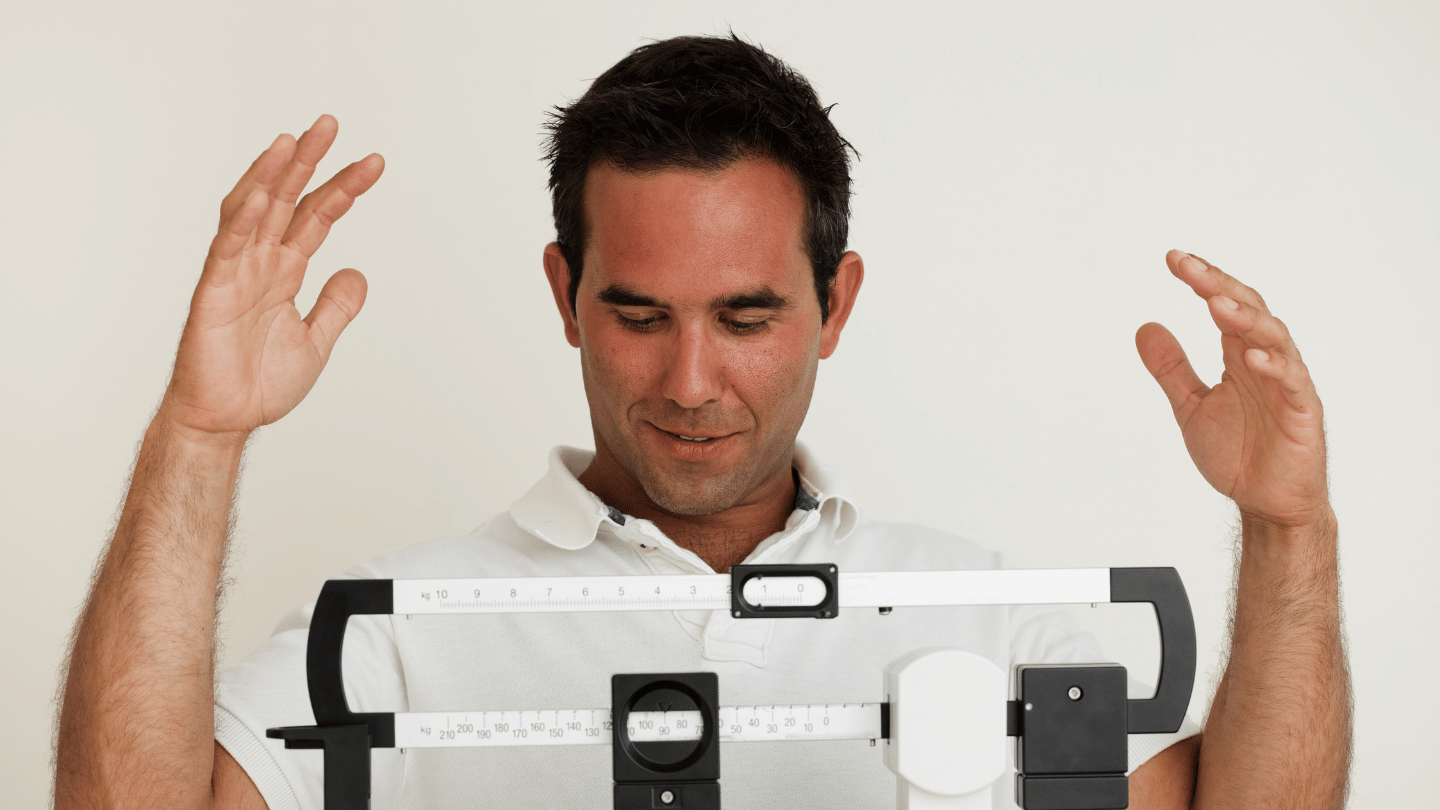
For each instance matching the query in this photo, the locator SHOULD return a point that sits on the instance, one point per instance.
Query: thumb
(338, 304)
(1167, 363)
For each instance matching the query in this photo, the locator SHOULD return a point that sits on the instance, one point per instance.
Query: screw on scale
(1075, 693)
(666, 797)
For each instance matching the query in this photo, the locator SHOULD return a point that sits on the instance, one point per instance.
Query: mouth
(692, 445)
(694, 439)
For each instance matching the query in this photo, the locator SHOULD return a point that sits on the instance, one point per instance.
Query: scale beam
(531, 727)
(714, 591)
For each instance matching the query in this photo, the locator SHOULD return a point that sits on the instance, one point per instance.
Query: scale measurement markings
(834, 721)
(575, 594)
(712, 591)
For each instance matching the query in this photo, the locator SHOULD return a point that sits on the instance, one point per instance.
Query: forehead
(743, 225)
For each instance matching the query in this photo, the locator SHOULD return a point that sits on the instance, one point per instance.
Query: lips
(692, 438)
(686, 445)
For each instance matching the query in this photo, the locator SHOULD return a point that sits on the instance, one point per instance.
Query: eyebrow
(763, 298)
(618, 295)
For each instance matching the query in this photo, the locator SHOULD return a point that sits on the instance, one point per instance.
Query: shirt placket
(721, 636)
(727, 638)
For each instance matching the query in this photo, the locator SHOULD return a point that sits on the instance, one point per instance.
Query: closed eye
(635, 324)
(745, 327)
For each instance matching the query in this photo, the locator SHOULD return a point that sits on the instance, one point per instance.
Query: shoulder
(893, 546)
(499, 547)
(864, 542)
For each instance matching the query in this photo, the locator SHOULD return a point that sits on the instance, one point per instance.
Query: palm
(247, 357)
(1257, 436)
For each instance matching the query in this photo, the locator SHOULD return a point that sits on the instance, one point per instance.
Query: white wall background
(1026, 166)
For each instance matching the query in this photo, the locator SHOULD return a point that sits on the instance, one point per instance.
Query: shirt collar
(562, 512)
(830, 493)
(559, 509)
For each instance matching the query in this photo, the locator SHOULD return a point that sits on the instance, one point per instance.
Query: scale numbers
(835, 721)
(576, 594)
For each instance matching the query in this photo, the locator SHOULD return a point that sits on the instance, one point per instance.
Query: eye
(745, 327)
(635, 324)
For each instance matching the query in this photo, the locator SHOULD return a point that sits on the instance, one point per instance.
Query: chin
(706, 497)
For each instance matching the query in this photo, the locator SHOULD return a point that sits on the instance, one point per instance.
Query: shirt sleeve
(268, 689)
(1043, 634)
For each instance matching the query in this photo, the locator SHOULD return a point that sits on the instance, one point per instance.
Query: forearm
(136, 724)
(1279, 730)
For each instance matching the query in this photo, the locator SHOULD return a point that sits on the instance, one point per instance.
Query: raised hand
(246, 356)
(1258, 435)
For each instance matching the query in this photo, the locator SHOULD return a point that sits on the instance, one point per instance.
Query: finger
(1167, 363)
(1268, 350)
(1290, 375)
(1207, 280)
(261, 174)
(323, 206)
(337, 305)
(311, 147)
(225, 249)
(1256, 327)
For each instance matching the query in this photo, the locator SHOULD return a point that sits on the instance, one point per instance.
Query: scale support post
(347, 760)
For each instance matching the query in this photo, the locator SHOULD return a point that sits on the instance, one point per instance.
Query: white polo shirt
(565, 660)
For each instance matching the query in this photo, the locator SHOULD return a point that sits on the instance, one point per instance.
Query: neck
(722, 539)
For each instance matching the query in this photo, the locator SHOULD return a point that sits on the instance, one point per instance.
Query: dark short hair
(702, 103)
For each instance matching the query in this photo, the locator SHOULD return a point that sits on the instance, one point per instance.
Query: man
(701, 199)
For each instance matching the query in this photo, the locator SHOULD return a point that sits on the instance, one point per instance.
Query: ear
(848, 277)
(557, 270)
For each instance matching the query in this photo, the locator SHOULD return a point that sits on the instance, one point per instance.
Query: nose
(694, 374)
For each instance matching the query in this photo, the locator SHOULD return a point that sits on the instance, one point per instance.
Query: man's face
(699, 332)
